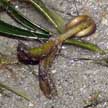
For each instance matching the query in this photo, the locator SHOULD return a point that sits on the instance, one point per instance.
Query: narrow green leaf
(19, 93)
(85, 45)
(53, 17)
(20, 18)
(13, 31)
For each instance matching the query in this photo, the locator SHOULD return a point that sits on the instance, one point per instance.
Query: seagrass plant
(45, 54)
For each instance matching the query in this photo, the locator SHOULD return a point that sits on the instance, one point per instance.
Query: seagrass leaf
(20, 18)
(53, 17)
(13, 31)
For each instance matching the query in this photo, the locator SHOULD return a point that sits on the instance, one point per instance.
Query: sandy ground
(75, 81)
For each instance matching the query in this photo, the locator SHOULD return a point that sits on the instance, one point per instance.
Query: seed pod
(80, 19)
